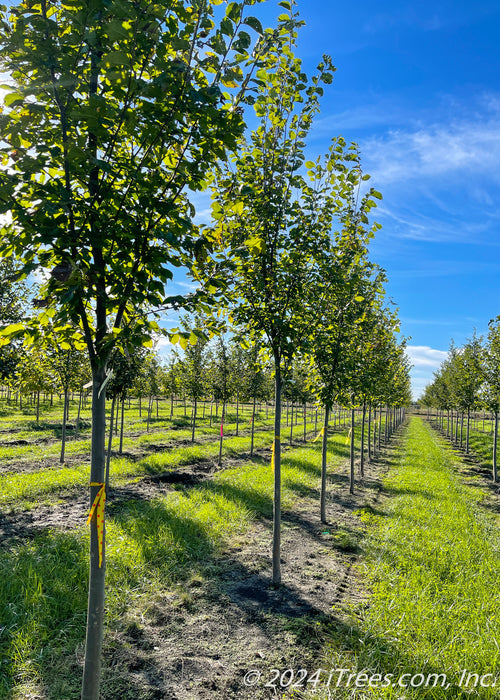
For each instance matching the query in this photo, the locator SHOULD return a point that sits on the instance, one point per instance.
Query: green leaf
(12, 97)
(376, 194)
(254, 23)
(117, 58)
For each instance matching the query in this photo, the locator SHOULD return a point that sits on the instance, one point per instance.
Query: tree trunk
(351, 455)
(277, 476)
(495, 440)
(110, 440)
(369, 433)
(253, 428)
(95, 612)
(37, 407)
(150, 408)
(65, 418)
(77, 424)
(120, 451)
(291, 426)
(468, 432)
(362, 456)
(237, 412)
(379, 426)
(194, 418)
(305, 422)
(323, 466)
(221, 432)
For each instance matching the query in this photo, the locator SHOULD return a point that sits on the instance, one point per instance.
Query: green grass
(432, 562)
(28, 489)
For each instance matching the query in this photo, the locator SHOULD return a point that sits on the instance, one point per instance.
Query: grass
(432, 565)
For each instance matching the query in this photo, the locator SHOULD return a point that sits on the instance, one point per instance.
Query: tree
(14, 305)
(348, 287)
(468, 378)
(193, 364)
(267, 224)
(491, 390)
(116, 110)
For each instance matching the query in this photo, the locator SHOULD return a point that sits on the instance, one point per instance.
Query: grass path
(432, 564)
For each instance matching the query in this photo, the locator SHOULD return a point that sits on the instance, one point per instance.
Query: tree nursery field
(211, 484)
(371, 601)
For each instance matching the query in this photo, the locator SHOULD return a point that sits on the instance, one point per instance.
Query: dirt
(199, 640)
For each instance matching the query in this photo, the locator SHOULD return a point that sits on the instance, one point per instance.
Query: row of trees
(113, 115)
(467, 381)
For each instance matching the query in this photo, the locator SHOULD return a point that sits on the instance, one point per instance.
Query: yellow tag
(98, 507)
(321, 432)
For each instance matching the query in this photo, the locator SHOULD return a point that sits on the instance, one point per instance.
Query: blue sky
(418, 88)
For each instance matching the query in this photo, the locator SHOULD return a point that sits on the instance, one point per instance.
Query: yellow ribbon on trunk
(321, 432)
(276, 437)
(349, 436)
(98, 508)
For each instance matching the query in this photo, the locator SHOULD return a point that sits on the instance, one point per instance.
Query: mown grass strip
(432, 564)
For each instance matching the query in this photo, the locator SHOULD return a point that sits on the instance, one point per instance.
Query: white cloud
(425, 356)
(436, 151)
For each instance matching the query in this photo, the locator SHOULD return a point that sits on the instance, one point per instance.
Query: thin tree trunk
(77, 425)
(150, 408)
(324, 449)
(495, 440)
(362, 456)
(237, 411)
(221, 432)
(37, 407)
(120, 451)
(468, 432)
(110, 440)
(253, 428)
(194, 418)
(63, 436)
(305, 421)
(369, 433)
(277, 477)
(95, 612)
(351, 479)
(379, 426)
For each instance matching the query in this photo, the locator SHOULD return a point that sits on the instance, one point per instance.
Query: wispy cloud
(425, 356)
(409, 15)
(436, 151)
